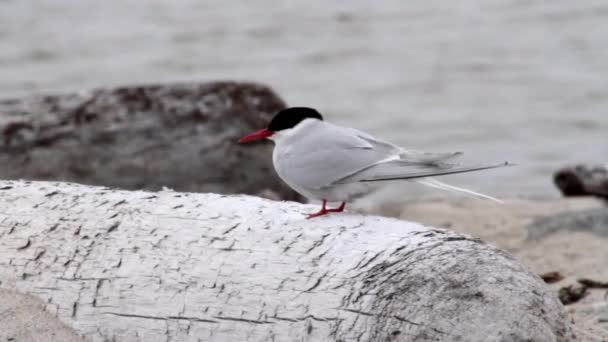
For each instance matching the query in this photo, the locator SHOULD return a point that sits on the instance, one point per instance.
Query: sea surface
(518, 80)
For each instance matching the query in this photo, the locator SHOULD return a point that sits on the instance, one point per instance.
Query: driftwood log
(183, 136)
(140, 266)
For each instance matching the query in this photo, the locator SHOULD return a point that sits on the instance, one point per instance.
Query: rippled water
(520, 80)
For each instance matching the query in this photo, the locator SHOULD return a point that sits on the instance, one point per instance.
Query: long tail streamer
(443, 186)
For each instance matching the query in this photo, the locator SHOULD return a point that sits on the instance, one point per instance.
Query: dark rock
(572, 294)
(552, 277)
(182, 136)
(583, 180)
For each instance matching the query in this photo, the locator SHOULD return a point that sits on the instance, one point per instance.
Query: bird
(330, 163)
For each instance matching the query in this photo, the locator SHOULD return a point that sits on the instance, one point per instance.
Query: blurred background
(518, 80)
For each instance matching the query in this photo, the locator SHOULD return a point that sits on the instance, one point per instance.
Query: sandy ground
(576, 249)
(24, 319)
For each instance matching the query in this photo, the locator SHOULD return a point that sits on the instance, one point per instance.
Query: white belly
(334, 193)
(310, 180)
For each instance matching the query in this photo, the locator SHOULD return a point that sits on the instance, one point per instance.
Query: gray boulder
(182, 136)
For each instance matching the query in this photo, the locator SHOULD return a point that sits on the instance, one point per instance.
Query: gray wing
(326, 154)
(409, 156)
(336, 155)
(403, 169)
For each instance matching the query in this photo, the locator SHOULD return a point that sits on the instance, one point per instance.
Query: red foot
(325, 211)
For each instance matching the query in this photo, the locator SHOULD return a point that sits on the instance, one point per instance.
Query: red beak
(261, 134)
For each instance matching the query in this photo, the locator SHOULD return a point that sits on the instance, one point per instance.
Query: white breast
(295, 161)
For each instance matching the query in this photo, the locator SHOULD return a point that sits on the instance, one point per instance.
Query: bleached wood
(167, 266)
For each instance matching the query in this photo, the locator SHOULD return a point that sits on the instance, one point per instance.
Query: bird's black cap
(290, 117)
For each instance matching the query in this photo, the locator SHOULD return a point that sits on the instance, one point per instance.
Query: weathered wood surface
(168, 266)
(183, 136)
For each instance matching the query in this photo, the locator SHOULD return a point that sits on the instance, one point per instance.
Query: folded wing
(406, 169)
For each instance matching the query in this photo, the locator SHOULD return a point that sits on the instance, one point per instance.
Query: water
(518, 80)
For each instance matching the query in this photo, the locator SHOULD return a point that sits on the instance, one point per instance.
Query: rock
(572, 294)
(593, 220)
(583, 180)
(551, 277)
(604, 316)
(182, 136)
(128, 266)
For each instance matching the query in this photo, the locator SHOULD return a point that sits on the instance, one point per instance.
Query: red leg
(321, 212)
(338, 209)
(325, 211)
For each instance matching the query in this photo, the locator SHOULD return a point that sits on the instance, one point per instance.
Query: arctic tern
(327, 162)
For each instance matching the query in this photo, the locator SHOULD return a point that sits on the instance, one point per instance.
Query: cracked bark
(238, 268)
(183, 136)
